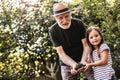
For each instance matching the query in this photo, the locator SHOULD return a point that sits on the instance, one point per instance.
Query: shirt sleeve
(104, 47)
(82, 29)
(55, 41)
(83, 32)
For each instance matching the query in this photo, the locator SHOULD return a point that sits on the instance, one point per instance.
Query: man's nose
(64, 20)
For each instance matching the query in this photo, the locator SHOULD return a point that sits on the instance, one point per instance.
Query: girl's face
(94, 38)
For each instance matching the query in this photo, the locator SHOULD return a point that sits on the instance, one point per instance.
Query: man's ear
(71, 14)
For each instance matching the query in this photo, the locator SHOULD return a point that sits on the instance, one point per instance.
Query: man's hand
(80, 67)
(77, 68)
(73, 71)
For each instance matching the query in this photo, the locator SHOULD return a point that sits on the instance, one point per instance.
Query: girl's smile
(94, 38)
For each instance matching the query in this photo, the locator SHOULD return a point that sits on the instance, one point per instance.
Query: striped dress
(104, 72)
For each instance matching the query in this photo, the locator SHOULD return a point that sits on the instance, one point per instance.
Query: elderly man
(68, 38)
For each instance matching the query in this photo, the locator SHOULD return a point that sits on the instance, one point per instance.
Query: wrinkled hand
(77, 69)
(74, 71)
(81, 69)
(79, 65)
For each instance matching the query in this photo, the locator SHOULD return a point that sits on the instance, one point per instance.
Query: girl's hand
(87, 66)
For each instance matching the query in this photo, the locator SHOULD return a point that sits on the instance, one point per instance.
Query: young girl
(100, 56)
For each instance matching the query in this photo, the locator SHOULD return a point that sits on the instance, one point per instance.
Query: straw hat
(60, 8)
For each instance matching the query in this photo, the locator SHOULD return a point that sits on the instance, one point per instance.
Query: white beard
(66, 27)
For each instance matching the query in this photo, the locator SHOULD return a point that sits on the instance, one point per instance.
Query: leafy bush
(25, 47)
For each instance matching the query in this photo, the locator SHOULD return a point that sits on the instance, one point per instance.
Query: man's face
(64, 20)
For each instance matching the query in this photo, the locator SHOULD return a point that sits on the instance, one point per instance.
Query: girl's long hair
(87, 36)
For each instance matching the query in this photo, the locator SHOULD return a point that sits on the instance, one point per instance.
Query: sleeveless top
(104, 72)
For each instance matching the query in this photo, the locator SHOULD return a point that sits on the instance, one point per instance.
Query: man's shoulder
(52, 27)
(76, 19)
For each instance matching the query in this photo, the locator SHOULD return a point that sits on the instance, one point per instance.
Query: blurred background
(26, 52)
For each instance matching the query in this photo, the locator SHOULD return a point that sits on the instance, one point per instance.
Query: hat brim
(61, 13)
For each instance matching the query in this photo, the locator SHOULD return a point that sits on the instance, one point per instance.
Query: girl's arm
(102, 61)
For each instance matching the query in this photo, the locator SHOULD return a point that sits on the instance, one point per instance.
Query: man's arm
(86, 51)
(64, 57)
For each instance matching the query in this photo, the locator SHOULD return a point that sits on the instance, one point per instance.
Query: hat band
(61, 11)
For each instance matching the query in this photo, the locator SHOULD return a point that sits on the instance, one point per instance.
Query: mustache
(66, 23)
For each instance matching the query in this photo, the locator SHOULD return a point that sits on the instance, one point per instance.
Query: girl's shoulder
(103, 47)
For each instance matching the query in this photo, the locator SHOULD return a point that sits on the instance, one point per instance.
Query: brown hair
(87, 36)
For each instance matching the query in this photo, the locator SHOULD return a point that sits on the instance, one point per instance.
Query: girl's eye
(91, 37)
(96, 35)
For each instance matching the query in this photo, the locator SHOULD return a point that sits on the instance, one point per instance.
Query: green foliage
(25, 46)
(24, 32)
